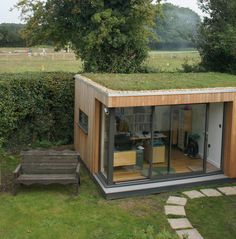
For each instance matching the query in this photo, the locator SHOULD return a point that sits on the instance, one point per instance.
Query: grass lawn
(159, 81)
(215, 218)
(16, 60)
(53, 212)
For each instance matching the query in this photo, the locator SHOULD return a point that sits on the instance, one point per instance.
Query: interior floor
(180, 163)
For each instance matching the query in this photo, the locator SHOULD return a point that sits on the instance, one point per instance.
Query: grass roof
(161, 81)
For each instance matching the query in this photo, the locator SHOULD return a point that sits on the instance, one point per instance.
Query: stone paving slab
(180, 223)
(193, 194)
(192, 234)
(175, 210)
(210, 192)
(181, 201)
(228, 190)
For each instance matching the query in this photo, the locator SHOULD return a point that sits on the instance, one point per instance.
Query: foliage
(150, 233)
(175, 28)
(192, 67)
(10, 35)
(217, 35)
(109, 36)
(36, 107)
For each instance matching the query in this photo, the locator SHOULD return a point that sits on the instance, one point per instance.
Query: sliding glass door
(139, 143)
(188, 127)
(159, 149)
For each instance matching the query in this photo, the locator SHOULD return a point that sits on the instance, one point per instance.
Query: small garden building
(147, 133)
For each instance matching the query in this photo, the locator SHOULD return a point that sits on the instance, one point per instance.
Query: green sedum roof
(163, 81)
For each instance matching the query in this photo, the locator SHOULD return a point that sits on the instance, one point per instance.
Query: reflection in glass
(188, 138)
(159, 148)
(132, 134)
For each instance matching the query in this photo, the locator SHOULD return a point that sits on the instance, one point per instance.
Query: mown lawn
(215, 218)
(54, 212)
(16, 60)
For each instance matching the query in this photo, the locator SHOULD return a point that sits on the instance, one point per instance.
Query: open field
(15, 60)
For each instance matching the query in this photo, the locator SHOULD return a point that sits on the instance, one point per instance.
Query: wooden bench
(47, 167)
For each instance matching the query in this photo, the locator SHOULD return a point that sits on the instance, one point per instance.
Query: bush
(36, 107)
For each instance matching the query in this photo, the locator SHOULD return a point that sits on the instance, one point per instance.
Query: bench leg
(14, 190)
(76, 189)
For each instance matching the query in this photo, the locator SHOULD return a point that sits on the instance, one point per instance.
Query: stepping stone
(180, 223)
(194, 194)
(192, 234)
(228, 190)
(211, 192)
(177, 201)
(175, 210)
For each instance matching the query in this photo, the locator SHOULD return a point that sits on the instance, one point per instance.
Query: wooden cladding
(175, 99)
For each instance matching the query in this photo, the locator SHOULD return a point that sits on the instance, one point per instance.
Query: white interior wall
(215, 129)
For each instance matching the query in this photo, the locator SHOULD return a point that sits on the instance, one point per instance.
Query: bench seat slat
(46, 177)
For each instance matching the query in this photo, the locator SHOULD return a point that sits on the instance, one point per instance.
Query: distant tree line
(10, 35)
(175, 28)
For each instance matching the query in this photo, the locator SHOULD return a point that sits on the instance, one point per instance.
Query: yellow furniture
(157, 153)
(125, 158)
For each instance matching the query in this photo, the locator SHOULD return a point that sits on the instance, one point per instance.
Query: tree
(108, 35)
(10, 35)
(217, 35)
(176, 27)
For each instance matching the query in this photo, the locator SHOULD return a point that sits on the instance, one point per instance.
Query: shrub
(36, 107)
(149, 233)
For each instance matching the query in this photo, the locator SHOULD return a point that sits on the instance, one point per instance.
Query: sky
(14, 17)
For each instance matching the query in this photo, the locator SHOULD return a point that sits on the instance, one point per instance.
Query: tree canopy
(175, 28)
(10, 35)
(108, 35)
(217, 36)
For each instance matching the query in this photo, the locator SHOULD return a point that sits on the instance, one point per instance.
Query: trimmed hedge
(36, 107)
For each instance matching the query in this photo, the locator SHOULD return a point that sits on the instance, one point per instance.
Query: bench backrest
(49, 162)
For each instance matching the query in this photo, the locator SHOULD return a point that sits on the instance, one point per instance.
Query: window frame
(84, 126)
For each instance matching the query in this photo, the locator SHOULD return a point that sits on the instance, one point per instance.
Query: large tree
(176, 27)
(108, 35)
(217, 36)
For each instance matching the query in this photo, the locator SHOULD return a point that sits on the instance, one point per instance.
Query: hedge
(36, 107)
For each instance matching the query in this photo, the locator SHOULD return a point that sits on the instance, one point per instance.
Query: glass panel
(159, 149)
(188, 138)
(105, 121)
(132, 134)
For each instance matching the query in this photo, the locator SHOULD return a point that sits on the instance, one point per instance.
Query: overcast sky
(13, 17)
